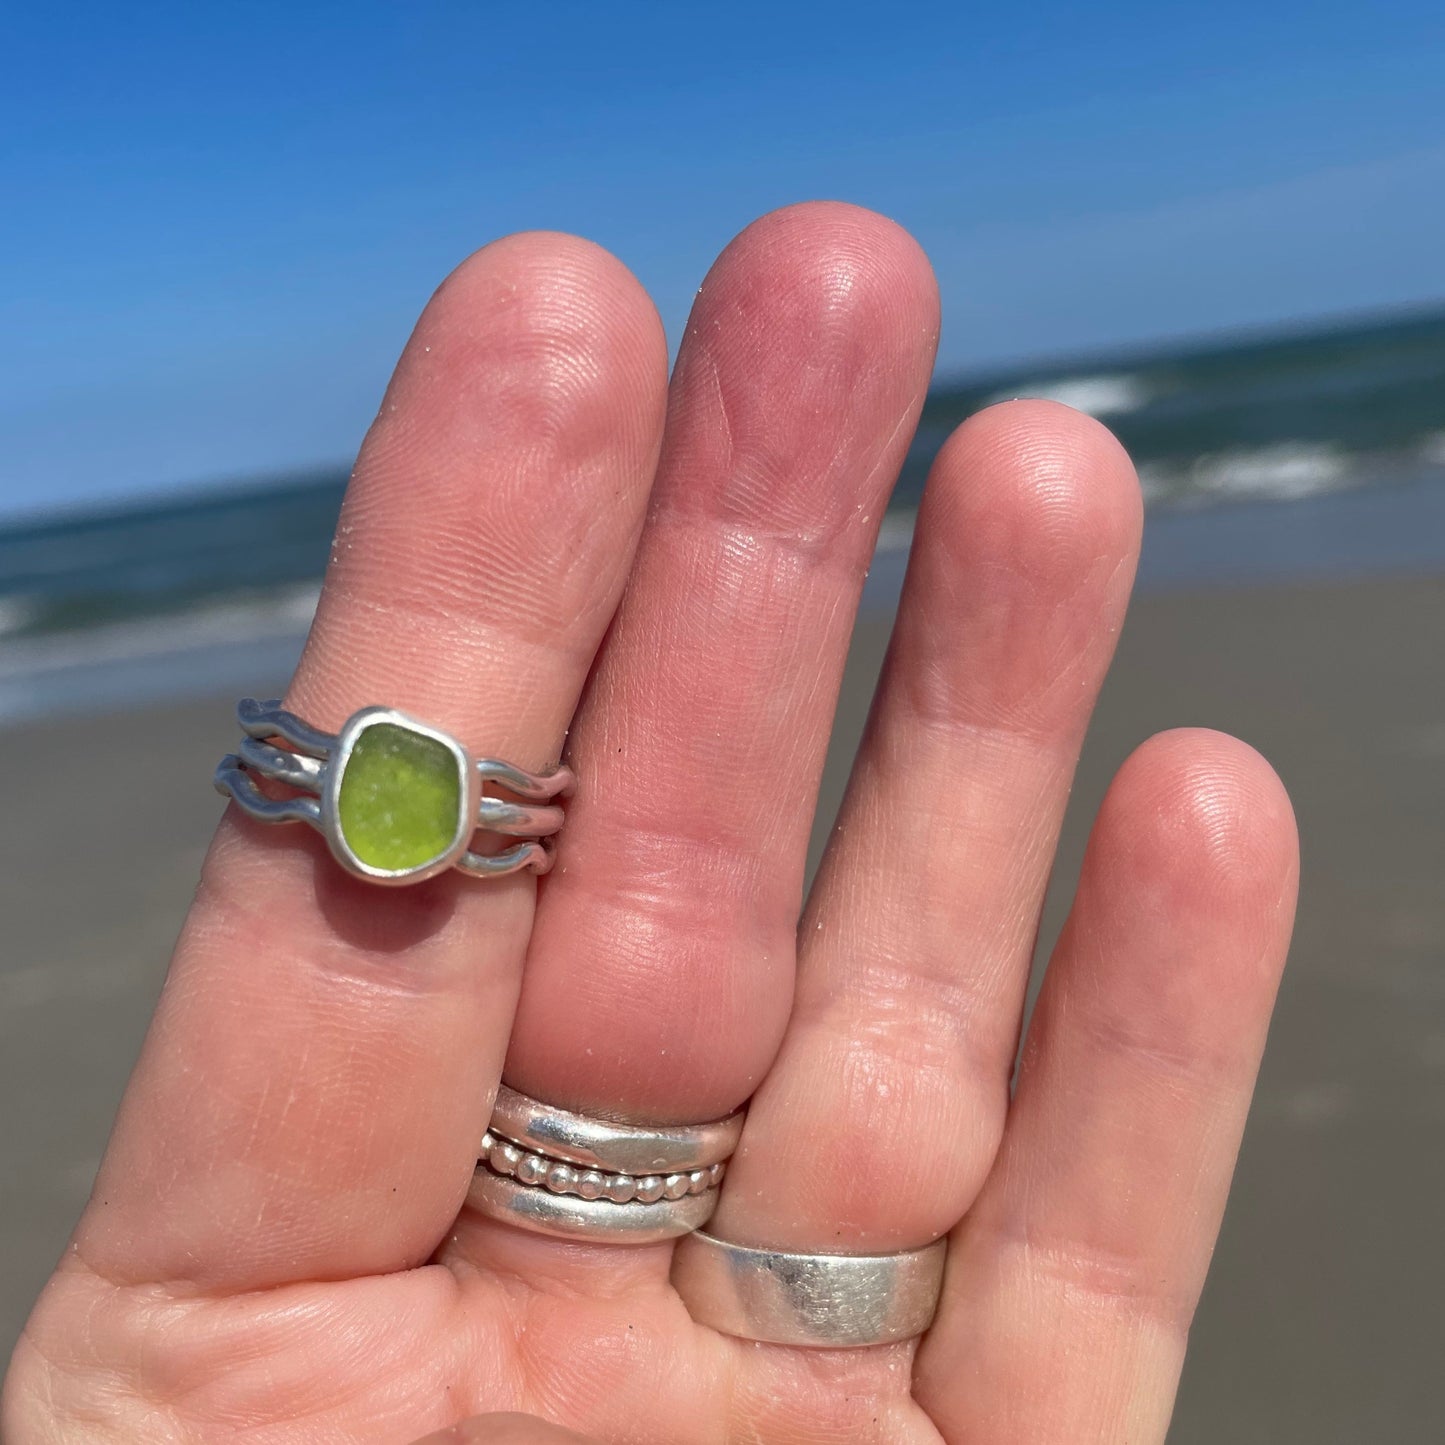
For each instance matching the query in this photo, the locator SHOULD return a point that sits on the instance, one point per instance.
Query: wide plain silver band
(823, 1301)
(614, 1147)
(566, 1216)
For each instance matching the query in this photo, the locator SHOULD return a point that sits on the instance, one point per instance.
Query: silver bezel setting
(283, 748)
(469, 791)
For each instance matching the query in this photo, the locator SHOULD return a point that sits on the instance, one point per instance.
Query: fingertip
(1197, 837)
(1043, 487)
(543, 268)
(801, 374)
(851, 262)
(526, 412)
(1022, 565)
(1205, 807)
(553, 327)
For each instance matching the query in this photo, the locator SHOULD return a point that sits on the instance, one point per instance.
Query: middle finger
(660, 971)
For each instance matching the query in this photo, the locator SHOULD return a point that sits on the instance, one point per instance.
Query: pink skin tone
(545, 543)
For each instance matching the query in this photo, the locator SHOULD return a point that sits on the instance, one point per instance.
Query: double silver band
(315, 762)
(553, 1171)
(823, 1301)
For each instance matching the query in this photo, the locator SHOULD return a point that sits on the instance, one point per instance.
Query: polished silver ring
(822, 1301)
(574, 1176)
(606, 1144)
(397, 801)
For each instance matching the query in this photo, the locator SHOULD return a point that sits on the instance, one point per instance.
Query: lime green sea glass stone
(399, 799)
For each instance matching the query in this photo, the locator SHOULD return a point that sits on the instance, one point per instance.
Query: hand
(276, 1247)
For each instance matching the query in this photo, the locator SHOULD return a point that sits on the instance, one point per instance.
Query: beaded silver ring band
(574, 1176)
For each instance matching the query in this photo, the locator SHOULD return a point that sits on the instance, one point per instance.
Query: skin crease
(543, 541)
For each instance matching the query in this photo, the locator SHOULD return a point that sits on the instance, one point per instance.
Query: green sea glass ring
(397, 800)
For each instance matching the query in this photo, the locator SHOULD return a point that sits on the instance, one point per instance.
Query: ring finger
(876, 1127)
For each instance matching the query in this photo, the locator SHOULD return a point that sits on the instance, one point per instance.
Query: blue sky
(220, 221)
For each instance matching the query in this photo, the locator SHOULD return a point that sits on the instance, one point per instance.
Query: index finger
(317, 1077)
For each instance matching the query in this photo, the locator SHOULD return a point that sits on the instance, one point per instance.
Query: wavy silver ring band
(573, 1176)
(607, 1144)
(821, 1301)
(397, 801)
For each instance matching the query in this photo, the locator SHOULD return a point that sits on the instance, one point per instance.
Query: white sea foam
(1432, 449)
(1159, 482)
(1102, 395)
(1285, 471)
(286, 611)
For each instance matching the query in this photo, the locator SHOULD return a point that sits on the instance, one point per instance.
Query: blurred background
(1221, 230)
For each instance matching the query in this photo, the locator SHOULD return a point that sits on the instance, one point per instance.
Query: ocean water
(1316, 452)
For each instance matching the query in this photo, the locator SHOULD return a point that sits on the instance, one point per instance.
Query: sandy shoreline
(1322, 1319)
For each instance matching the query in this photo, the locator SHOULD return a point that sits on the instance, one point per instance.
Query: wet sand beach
(1326, 1307)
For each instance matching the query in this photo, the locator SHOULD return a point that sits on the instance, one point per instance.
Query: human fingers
(882, 1116)
(313, 1086)
(661, 964)
(1073, 1280)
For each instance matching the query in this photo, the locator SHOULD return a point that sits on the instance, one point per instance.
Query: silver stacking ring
(574, 1176)
(396, 800)
(824, 1301)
